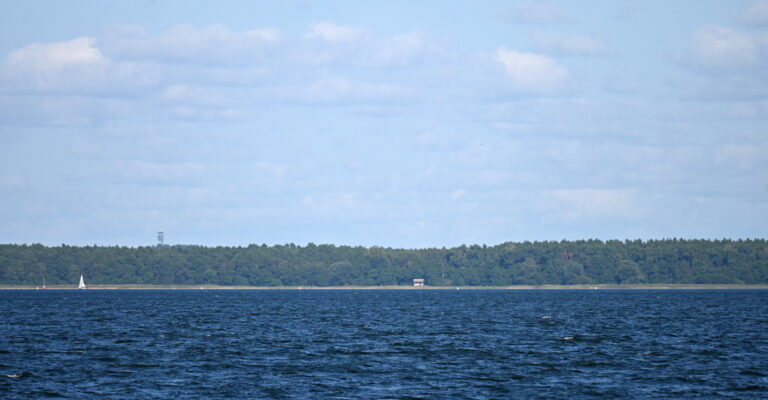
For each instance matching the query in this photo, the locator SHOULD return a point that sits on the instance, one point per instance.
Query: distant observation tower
(160, 239)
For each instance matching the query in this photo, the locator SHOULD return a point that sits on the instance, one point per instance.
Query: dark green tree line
(527, 263)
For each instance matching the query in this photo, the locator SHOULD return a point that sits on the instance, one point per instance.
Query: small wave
(752, 372)
(138, 365)
(749, 388)
(118, 371)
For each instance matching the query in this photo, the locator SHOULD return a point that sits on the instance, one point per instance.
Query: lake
(343, 344)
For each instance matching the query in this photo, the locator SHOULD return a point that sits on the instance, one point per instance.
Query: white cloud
(74, 67)
(341, 89)
(403, 49)
(458, 194)
(330, 32)
(756, 14)
(10, 182)
(740, 158)
(265, 34)
(440, 139)
(580, 204)
(570, 45)
(63, 109)
(731, 65)
(214, 44)
(334, 204)
(272, 171)
(328, 43)
(59, 66)
(206, 72)
(206, 96)
(749, 110)
(534, 12)
(146, 172)
(533, 73)
(719, 49)
(46, 56)
(723, 85)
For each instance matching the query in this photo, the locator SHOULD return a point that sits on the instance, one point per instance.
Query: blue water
(383, 344)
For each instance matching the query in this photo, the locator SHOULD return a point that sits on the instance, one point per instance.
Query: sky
(382, 123)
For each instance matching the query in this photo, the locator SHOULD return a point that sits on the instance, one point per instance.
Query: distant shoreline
(402, 287)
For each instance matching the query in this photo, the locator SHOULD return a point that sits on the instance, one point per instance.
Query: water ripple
(383, 344)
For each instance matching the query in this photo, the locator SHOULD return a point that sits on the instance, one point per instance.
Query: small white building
(418, 282)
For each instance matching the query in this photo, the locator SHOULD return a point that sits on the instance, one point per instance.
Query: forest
(679, 261)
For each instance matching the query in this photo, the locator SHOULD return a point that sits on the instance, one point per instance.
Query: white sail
(82, 284)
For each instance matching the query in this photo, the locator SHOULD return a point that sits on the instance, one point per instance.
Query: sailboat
(82, 284)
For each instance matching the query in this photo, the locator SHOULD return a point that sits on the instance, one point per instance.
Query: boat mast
(42, 272)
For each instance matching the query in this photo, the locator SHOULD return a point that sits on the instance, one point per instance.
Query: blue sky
(403, 124)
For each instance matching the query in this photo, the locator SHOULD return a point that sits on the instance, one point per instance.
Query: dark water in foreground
(383, 344)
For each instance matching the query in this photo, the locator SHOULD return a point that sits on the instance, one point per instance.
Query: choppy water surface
(383, 344)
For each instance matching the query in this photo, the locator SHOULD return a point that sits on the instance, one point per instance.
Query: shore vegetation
(522, 264)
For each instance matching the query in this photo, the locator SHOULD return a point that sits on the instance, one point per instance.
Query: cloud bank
(413, 134)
